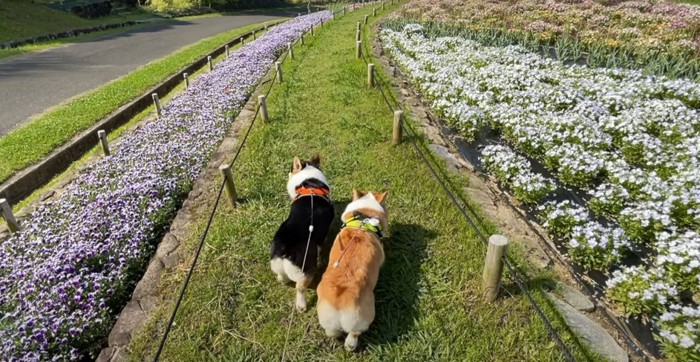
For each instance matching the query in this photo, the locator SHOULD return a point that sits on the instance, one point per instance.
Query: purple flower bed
(68, 273)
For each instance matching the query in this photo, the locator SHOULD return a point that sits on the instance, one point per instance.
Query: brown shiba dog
(346, 291)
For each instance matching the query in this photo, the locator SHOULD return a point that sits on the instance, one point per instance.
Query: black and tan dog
(296, 244)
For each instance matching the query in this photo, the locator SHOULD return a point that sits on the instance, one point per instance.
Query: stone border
(170, 252)
(33, 177)
(501, 207)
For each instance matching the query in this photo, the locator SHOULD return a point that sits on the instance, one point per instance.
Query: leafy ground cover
(661, 36)
(428, 302)
(619, 150)
(20, 19)
(64, 277)
(37, 138)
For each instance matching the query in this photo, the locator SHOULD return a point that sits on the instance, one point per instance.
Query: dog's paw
(281, 278)
(301, 307)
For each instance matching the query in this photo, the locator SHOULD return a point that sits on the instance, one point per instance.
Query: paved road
(31, 83)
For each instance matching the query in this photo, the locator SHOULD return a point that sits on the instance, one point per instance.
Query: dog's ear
(297, 165)
(356, 194)
(381, 197)
(316, 160)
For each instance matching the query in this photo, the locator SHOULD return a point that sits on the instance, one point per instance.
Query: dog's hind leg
(301, 286)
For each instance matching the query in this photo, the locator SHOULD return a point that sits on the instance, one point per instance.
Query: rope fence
(226, 183)
(377, 82)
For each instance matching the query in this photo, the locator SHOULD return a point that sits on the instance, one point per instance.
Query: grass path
(428, 297)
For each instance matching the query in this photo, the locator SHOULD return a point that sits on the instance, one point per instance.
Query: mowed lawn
(428, 298)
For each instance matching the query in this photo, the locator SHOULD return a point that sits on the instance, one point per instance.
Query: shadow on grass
(398, 290)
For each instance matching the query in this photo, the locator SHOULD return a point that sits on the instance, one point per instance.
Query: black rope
(206, 230)
(511, 270)
(553, 333)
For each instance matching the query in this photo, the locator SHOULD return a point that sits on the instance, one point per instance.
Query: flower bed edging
(169, 253)
(498, 206)
(64, 275)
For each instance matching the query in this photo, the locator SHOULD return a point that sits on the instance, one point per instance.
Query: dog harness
(303, 191)
(364, 223)
(360, 222)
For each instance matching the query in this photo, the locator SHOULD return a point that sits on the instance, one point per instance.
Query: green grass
(38, 137)
(21, 19)
(428, 297)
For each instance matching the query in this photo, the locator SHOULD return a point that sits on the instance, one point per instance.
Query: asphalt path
(34, 82)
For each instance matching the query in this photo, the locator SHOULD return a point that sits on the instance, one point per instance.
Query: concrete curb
(31, 178)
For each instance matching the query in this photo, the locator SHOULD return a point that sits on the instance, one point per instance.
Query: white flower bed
(629, 140)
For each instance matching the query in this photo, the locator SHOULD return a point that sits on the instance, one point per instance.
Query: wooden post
(102, 135)
(312, 30)
(493, 267)
(253, 34)
(370, 75)
(156, 101)
(242, 42)
(12, 223)
(291, 50)
(266, 27)
(358, 50)
(227, 53)
(359, 26)
(366, 19)
(358, 36)
(374, 12)
(211, 65)
(398, 127)
(278, 67)
(187, 80)
(262, 103)
(382, 5)
(301, 39)
(227, 175)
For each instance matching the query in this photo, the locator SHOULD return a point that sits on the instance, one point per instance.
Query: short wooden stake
(227, 53)
(156, 102)
(262, 103)
(211, 65)
(358, 35)
(12, 223)
(291, 50)
(187, 80)
(358, 49)
(253, 34)
(359, 26)
(242, 42)
(102, 135)
(366, 19)
(227, 175)
(382, 5)
(493, 267)
(278, 67)
(398, 127)
(374, 12)
(312, 30)
(301, 39)
(370, 75)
